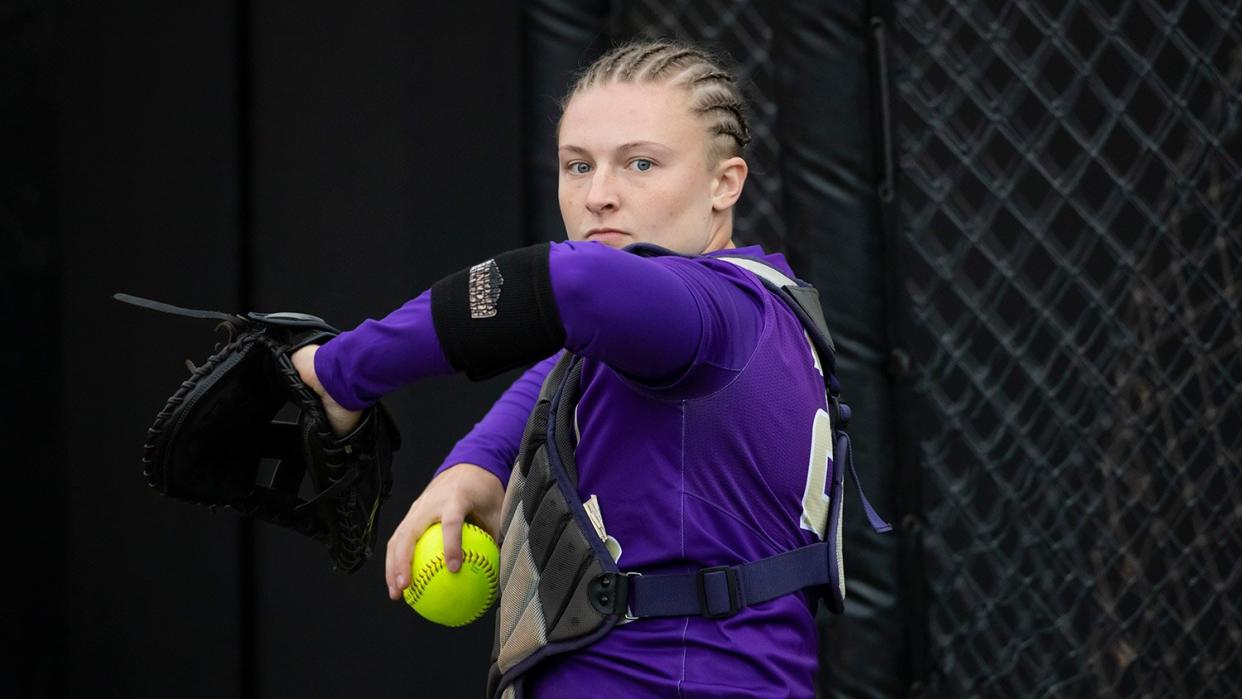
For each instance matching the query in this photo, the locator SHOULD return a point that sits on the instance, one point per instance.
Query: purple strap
(877, 522)
(722, 591)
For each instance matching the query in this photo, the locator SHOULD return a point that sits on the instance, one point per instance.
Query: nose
(602, 195)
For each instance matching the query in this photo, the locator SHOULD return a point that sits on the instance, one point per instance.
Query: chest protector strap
(560, 588)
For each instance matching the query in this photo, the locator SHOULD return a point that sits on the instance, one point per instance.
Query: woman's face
(633, 168)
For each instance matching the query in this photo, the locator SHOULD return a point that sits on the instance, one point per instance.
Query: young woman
(700, 390)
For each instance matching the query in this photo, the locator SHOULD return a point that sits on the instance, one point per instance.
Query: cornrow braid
(714, 93)
(608, 65)
(642, 59)
(657, 71)
(714, 75)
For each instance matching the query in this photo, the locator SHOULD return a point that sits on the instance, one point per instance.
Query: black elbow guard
(499, 314)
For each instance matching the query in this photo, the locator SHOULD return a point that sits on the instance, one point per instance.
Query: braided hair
(714, 94)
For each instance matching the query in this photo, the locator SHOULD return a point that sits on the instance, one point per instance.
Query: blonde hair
(714, 94)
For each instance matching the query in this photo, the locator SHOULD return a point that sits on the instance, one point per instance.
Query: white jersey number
(815, 499)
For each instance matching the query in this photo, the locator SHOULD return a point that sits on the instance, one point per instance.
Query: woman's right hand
(462, 491)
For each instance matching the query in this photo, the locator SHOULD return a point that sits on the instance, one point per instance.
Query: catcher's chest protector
(560, 588)
(550, 555)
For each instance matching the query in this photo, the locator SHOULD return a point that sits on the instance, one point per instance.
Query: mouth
(603, 232)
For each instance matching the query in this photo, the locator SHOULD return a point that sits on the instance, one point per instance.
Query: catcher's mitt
(207, 443)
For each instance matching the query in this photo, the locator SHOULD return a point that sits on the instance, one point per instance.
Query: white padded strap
(761, 269)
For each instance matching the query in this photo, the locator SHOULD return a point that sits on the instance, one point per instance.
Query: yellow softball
(453, 599)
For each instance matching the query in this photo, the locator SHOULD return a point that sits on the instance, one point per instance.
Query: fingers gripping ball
(447, 598)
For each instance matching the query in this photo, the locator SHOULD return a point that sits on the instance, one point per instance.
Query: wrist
(304, 361)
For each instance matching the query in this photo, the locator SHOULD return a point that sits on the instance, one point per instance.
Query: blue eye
(579, 168)
(642, 164)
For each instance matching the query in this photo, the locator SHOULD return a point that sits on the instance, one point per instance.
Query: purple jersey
(715, 455)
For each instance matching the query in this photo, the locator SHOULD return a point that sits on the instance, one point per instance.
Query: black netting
(1067, 226)
(743, 31)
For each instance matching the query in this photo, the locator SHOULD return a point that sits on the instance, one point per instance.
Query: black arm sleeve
(499, 314)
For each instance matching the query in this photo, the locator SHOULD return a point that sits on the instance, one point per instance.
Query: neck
(722, 238)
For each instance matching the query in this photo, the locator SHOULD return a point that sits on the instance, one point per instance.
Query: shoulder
(736, 309)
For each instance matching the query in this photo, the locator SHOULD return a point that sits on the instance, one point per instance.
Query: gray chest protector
(560, 588)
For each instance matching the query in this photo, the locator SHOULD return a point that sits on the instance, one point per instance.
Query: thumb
(450, 527)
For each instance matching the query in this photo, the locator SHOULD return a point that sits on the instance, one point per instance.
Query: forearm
(360, 366)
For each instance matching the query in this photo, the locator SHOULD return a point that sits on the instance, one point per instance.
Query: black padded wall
(558, 39)
(830, 133)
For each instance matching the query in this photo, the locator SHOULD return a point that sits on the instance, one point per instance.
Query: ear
(727, 183)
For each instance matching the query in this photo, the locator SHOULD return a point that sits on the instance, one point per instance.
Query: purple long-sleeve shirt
(696, 422)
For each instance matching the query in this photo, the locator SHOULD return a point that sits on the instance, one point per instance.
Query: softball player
(697, 423)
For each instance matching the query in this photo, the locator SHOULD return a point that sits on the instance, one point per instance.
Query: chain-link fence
(1067, 228)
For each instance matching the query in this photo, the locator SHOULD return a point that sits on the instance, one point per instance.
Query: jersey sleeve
(494, 441)
(360, 366)
(676, 326)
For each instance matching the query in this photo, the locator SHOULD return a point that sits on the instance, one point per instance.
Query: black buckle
(731, 584)
(610, 593)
